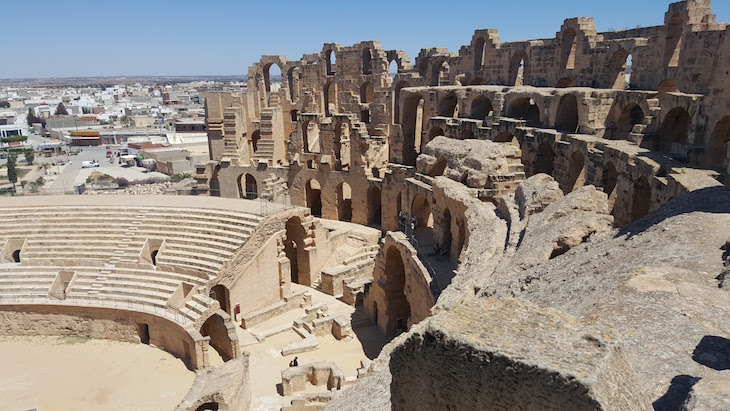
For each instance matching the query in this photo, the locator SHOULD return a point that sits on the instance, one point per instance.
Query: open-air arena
(511, 226)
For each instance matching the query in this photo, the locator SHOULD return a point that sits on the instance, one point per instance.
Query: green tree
(61, 110)
(4, 104)
(12, 171)
(32, 118)
(30, 156)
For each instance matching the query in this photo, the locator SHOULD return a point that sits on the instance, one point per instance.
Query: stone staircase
(637, 133)
(273, 187)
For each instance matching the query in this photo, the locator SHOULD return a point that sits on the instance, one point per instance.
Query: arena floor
(66, 373)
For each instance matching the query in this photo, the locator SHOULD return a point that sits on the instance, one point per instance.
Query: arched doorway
(567, 117)
(447, 106)
(565, 82)
(366, 92)
(640, 199)
(630, 116)
(446, 233)
(16, 256)
(367, 58)
(674, 130)
(215, 328)
(524, 108)
(567, 49)
(413, 119)
(717, 147)
(252, 190)
(344, 202)
(519, 72)
(544, 159)
(294, 250)
(330, 61)
(255, 137)
(421, 209)
(314, 197)
(610, 179)
(576, 172)
(479, 54)
(374, 206)
(293, 77)
(271, 72)
(481, 107)
(399, 310)
(673, 43)
(617, 66)
(221, 294)
(330, 98)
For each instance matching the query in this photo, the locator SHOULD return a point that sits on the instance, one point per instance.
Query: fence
(97, 301)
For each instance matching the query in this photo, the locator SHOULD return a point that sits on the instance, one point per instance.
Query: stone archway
(524, 108)
(344, 202)
(294, 250)
(567, 117)
(545, 159)
(314, 197)
(221, 294)
(399, 310)
(717, 146)
(215, 328)
(374, 206)
(675, 129)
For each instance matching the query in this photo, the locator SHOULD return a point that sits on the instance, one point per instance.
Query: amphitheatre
(511, 226)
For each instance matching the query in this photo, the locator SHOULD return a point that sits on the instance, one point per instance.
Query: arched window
(367, 58)
(331, 61)
(393, 68)
(673, 43)
(568, 47)
(519, 70)
(272, 75)
(293, 78)
(618, 69)
(479, 54)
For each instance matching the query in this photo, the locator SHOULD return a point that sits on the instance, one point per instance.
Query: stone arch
(393, 67)
(247, 187)
(375, 213)
(399, 309)
(413, 119)
(566, 119)
(366, 92)
(576, 172)
(640, 199)
(255, 137)
(481, 107)
(331, 61)
(293, 77)
(667, 86)
(630, 116)
(524, 108)
(519, 69)
(330, 98)
(314, 197)
(609, 181)
(268, 75)
(717, 146)
(673, 44)
(220, 293)
(505, 137)
(344, 202)
(208, 406)
(396, 100)
(545, 159)
(479, 54)
(675, 129)
(435, 132)
(215, 328)
(617, 66)
(294, 250)
(439, 168)
(565, 82)
(421, 208)
(567, 48)
(447, 106)
(446, 236)
(367, 61)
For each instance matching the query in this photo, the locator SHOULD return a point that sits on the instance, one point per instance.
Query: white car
(89, 164)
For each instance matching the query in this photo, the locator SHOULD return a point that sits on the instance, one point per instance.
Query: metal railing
(413, 239)
(100, 301)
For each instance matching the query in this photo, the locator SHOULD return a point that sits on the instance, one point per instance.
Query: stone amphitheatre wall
(113, 324)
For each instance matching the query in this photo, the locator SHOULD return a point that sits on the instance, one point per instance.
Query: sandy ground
(71, 373)
(266, 361)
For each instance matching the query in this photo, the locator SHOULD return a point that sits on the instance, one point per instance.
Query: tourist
(295, 361)
(414, 222)
(402, 220)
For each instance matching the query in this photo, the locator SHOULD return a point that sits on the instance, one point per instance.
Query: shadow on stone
(677, 393)
(713, 352)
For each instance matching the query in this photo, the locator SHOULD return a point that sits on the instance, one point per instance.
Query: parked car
(89, 164)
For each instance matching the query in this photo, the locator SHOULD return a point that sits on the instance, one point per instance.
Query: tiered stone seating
(102, 246)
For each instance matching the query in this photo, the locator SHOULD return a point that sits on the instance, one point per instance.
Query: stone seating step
(162, 274)
(200, 250)
(137, 285)
(126, 292)
(174, 253)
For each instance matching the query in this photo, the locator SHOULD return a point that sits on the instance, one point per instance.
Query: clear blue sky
(42, 38)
